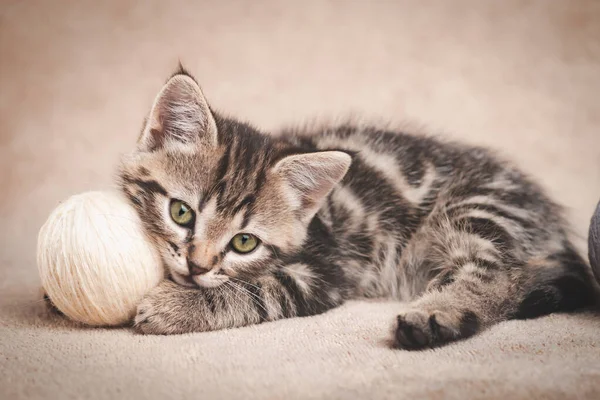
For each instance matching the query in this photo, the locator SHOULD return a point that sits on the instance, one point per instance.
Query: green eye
(181, 213)
(244, 243)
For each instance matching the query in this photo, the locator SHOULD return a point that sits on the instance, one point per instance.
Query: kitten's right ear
(308, 178)
(180, 114)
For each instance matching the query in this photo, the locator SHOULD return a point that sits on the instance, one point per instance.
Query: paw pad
(419, 329)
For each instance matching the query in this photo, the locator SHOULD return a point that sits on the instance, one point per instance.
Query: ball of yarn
(94, 259)
(594, 243)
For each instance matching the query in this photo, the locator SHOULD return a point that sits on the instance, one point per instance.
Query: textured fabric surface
(76, 79)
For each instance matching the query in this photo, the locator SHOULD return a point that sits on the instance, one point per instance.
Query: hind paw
(418, 329)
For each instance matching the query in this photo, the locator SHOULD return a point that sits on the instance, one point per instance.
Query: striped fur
(466, 239)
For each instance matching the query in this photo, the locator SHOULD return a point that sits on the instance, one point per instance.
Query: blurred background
(78, 77)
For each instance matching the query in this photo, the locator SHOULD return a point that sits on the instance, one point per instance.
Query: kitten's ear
(308, 178)
(180, 114)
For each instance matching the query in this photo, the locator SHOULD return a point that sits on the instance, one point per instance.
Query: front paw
(418, 328)
(162, 311)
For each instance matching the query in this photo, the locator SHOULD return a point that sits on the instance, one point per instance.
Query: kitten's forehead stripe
(242, 172)
(201, 204)
(261, 177)
(246, 219)
(219, 190)
(149, 186)
(137, 202)
(223, 164)
(246, 202)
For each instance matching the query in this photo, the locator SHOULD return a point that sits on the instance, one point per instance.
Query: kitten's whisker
(243, 281)
(275, 253)
(253, 297)
(249, 292)
(231, 295)
(239, 291)
(256, 299)
(222, 292)
(234, 292)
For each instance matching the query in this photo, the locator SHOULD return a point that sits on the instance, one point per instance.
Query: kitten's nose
(195, 269)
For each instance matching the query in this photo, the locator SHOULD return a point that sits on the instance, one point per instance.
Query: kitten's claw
(418, 329)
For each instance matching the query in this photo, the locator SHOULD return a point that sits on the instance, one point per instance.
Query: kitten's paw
(148, 319)
(418, 329)
(158, 313)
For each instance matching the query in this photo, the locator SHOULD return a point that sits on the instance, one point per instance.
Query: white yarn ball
(94, 259)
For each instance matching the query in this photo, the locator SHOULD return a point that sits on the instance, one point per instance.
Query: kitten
(254, 227)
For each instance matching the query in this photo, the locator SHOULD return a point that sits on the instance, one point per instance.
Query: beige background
(76, 79)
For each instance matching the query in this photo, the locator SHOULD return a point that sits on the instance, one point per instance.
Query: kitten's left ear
(180, 114)
(308, 178)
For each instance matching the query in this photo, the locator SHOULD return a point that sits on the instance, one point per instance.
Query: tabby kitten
(255, 227)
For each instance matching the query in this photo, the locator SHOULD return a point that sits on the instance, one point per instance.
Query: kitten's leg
(458, 310)
(478, 276)
(293, 290)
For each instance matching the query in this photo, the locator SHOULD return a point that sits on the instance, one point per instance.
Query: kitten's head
(219, 199)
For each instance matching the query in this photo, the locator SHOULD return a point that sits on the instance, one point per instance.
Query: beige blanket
(76, 79)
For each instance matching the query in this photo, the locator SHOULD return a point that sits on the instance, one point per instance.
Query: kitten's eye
(244, 243)
(181, 213)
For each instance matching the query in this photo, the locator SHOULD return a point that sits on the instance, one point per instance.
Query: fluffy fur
(342, 212)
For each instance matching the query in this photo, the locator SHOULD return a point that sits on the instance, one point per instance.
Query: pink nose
(195, 269)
